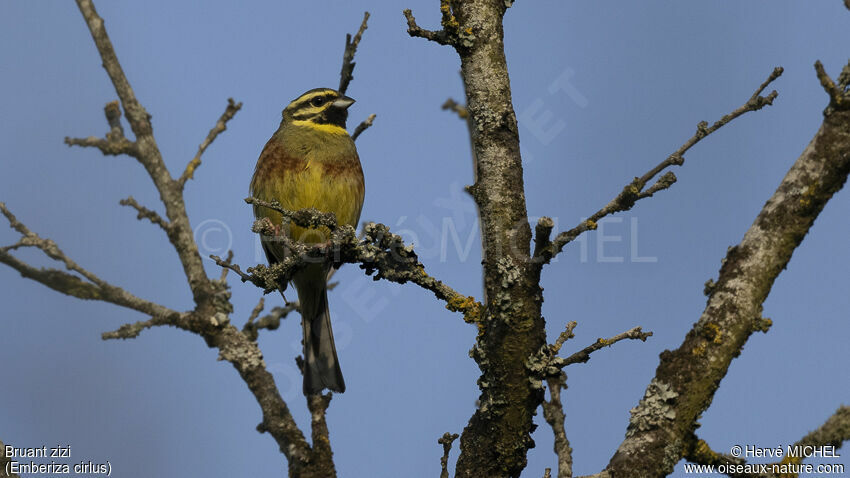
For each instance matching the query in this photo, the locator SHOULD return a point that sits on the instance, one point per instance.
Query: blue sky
(603, 90)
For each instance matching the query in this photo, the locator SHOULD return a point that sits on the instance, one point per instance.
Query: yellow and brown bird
(311, 162)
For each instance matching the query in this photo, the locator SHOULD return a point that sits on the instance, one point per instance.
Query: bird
(311, 162)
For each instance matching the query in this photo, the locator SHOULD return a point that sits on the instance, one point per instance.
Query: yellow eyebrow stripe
(327, 128)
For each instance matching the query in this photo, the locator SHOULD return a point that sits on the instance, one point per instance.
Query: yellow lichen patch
(190, 168)
(808, 194)
(712, 332)
(699, 349)
(467, 305)
(706, 454)
(449, 22)
(602, 341)
(789, 460)
(590, 224)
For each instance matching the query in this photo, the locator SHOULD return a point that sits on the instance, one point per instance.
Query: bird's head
(319, 106)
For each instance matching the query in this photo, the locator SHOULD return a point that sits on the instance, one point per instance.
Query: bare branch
(224, 270)
(220, 126)
(834, 432)
(131, 331)
(148, 154)
(446, 440)
(345, 76)
(225, 263)
(687, 378)
(634, 191)
(363, 126)
(542, 234)
(453, 105)
(145, 213)
(379, 252)
(107, 147)
(839, 99)
(442, 36)
(90, 286)
(553, 413)
(310, 217)
(583, 355)
(270, 321)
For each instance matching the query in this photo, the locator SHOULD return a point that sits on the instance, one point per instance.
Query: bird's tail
(321, 366)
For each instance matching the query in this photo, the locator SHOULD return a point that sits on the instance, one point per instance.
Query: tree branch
(446, 440)
(363, 126)
(4, 460)
(380, 252)
(220, 126)
(634, 191)
(583, 355)
(687, 378)
(148, 154)
(345, 75)
(553, 413)
(145, 213)
(107, 147)
(89, 286)
(834, 432)
(447, 36)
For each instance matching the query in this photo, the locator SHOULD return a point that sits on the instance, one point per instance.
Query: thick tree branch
(220, 126)
(322, 454)
(512, 330)
(686, 378)
(834, 432)
(634, 191)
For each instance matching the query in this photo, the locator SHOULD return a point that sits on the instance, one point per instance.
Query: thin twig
(89, 286)
(310, 217)
(458, 108)
(583, 355)
(634, 191)
(553, 413)
(107, 147)
(446, 440)
(225, 270)
(145, 213)
(345, 75)
(441, 36)
(220, 126)
(363, 126)
(839, 99)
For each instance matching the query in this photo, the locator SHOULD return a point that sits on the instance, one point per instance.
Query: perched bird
(311, 161)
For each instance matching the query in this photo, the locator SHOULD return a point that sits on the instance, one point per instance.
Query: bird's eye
(318, 101)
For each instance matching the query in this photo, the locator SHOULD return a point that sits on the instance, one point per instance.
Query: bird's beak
(343, 102)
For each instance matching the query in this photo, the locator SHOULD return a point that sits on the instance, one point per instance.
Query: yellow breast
(310, 169)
